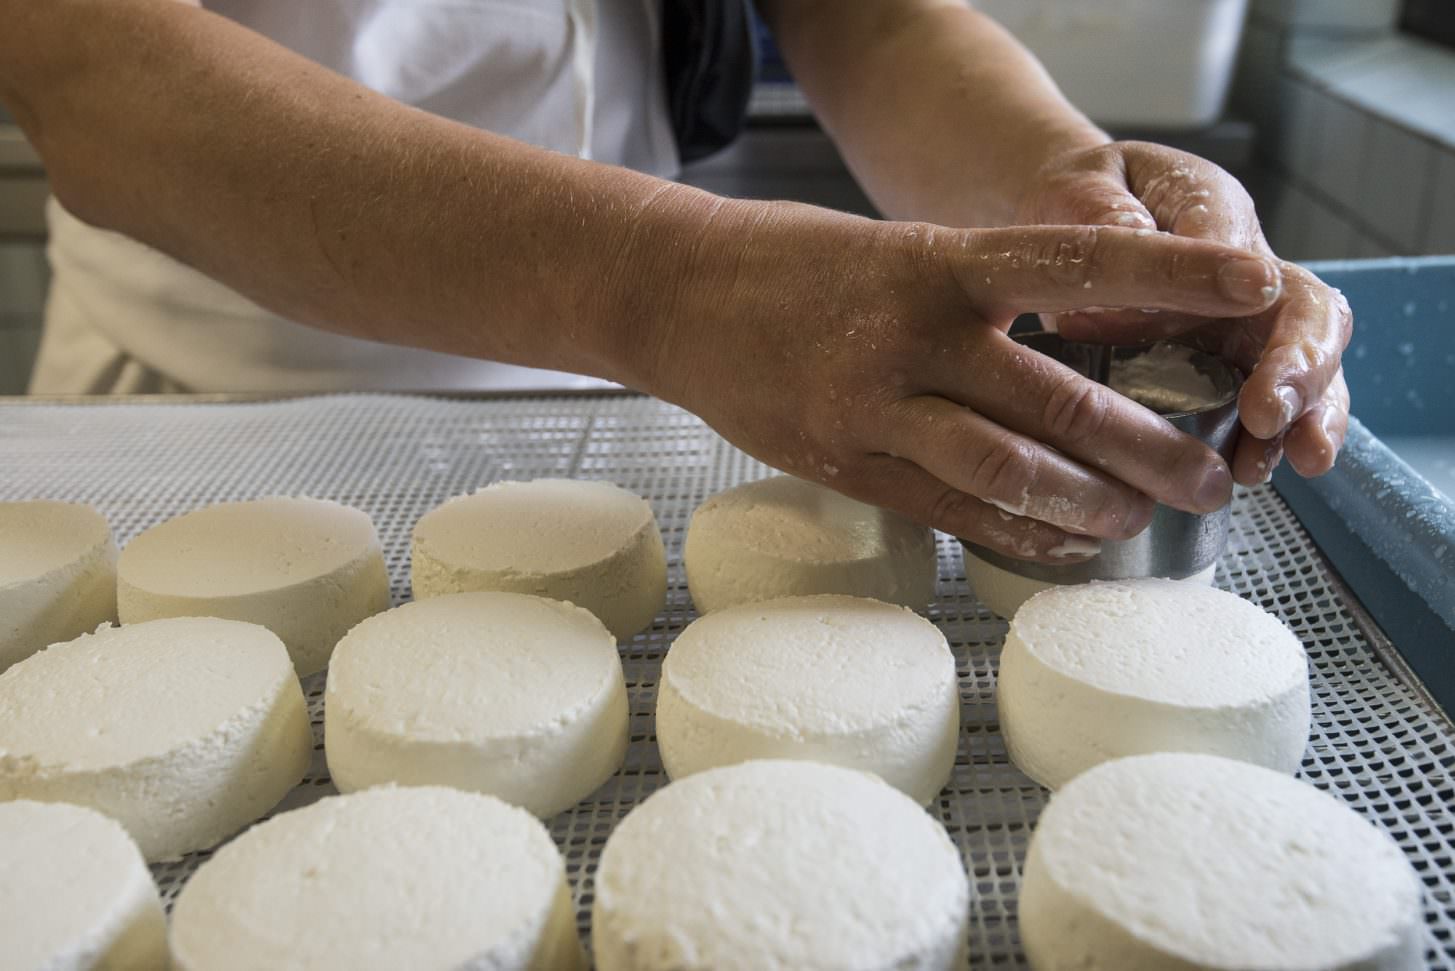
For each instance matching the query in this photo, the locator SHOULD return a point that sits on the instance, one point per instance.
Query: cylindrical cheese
(592, 544)
(306, 569)
(512, 695)
(57, 575)
(1181, 861)
(1102, 670)
(183, 730)
(1003, 592)
(843, 680)
(786, 537)
(75, 894)
(418, 878)
(779, 866)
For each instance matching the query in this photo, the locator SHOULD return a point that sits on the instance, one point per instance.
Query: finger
(1047, 401)
(904, 487)
(1313, 442)
(1301, 357)
(1192, 197)
(1254, 459)
(1016, 474)
(1052, 269)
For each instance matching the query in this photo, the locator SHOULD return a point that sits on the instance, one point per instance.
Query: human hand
(873, 357)
(1295, 397)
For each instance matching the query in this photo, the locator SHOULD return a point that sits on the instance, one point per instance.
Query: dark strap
(708, 51)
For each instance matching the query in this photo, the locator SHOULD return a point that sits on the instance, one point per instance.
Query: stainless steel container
(1176, 544)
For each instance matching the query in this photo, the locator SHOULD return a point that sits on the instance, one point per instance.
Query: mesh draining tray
(1378, 742)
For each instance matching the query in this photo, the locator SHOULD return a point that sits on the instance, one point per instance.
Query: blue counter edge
(1388, 532)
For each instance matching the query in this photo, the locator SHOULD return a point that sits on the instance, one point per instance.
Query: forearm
(335, 206)
(940, 113)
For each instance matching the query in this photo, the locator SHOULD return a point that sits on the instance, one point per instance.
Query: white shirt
(577, 76)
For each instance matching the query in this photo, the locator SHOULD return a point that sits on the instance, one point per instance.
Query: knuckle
(1175, 266)
(1005, 471)
(1076, 410)
(1184, 470)
(1069, 257)
(949, 511)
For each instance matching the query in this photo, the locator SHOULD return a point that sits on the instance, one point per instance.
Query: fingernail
(1216, 488)
(1290, 405)
(1132, 218)
(1075, 546)
(1328, 424)
(1271, 465)
(1253, 282)
(1139, 518)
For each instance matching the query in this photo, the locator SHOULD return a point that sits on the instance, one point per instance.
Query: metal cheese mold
(1378, 742)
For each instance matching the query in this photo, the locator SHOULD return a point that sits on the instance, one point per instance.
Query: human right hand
(874, 357)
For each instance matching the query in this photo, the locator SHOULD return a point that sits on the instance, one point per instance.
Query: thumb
(1096, 200)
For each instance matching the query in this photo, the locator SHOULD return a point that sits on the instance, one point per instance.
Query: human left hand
(1295, 399)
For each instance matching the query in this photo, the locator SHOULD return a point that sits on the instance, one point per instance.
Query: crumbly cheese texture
(779, 866)
(1165, 379)
(57, 575)
(843, 680)
(1195, 861)
(1003, 592)
(76, 894)
(785, 537)
(306, 569)
(1104, 670)
(183, 730)
(426, 878)
(592, 544)
(504, 693)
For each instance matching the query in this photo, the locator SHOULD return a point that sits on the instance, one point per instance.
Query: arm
(940, 114)
(326, 202)
(867, 355)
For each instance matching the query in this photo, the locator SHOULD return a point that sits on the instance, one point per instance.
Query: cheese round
(592, 544)
(306, 569)
(504, 693)
(785, 537)
(842, 680)
(776, 865)
(1102, 670)
(1003, 592)
(1196, 861)
(183, 730)
(57, 575)
(418, 877)
(76, 894)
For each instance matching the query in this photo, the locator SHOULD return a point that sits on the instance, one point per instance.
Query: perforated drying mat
(1378, 742)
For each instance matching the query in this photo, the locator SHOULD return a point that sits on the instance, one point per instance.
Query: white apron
(577, 76)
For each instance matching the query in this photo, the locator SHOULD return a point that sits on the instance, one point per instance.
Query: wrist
(667, 255)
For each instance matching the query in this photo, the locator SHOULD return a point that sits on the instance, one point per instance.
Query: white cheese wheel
(419, 877)
(1194, 861)
(785, 537)
(1102, 670)
(76, 894)
(504, 693)
(779, 866)
(843, 680)
(592, 544)
(306, 569)
(183, 730)
(1003, 592)
(57, 575)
